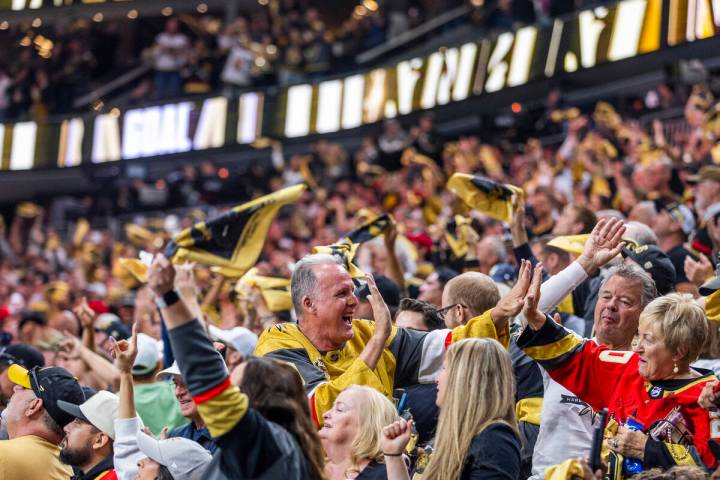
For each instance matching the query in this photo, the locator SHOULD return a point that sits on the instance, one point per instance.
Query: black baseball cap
(22, 354)
(656, 263)
(50, 384)
(712, 285)
(110, 324)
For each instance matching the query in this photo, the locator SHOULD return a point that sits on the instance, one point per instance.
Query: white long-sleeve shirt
(565, 421)
(127, 453)
(566, 428)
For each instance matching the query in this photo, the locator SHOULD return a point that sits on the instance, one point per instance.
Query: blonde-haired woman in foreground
(477, 436)
(351, 434)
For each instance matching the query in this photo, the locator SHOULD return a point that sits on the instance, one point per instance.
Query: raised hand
(70, 344)
(185, 281)
(535, 318)
(381, 314)
(161, 275)
(511, 304)
(604, 244)
(395, 437)
(390, 235)
(85, 314)
(698, 272)
(517, 224)
(125, 351)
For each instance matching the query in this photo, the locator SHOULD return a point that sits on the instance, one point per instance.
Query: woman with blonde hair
(351, 434)
(651, 393)
(477, 435)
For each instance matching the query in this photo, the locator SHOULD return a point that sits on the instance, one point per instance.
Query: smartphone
(598, 436)
(146, 257)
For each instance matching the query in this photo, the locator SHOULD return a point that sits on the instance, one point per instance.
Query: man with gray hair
(566, 425)
(490, 251)
(35, 423)
(640, 233)
(332, 350)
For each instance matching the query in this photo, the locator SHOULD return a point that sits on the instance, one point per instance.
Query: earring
(675, 367)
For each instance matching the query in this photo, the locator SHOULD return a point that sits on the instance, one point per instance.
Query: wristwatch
(167, 299)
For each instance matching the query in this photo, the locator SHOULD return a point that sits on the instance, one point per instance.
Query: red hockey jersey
(609, 379)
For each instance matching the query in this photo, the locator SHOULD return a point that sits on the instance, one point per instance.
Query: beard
(74, 456)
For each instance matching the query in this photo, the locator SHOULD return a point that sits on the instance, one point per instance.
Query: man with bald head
(333, 350)
(467, 294)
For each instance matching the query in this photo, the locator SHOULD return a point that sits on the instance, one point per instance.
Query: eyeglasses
(443, 311)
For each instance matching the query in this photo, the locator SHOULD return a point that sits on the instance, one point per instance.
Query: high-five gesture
(604, 244)
(511, 304)
(383, 326)
(381, 314)
(533, 315)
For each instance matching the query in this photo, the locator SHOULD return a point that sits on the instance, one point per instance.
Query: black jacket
(249, 445)
(102, 467)
(494, 454)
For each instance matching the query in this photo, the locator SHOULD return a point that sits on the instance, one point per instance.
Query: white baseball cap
(172, 370)
(682, 215)
(147, 355)
(185, 459)
(100, 411)
(711, 211)
(239, 338)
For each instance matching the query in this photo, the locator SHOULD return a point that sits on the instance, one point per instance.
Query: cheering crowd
(424, 308)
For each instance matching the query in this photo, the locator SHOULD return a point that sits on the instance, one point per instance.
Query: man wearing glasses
(35, 423)
(463, 297)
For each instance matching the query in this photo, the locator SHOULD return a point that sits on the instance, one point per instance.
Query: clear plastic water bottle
(633, 466)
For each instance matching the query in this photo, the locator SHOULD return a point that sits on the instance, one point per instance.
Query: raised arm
(99, 369)
(395, 271)
(322, 391)
(583, 367)
(246, 439)
(393, 441)
(125, 352)
(383, 327)
(604, 244)
(87, 319)
(517, 225)
(100, 366)
(187, 289)
(126, 451)
(419, 355)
